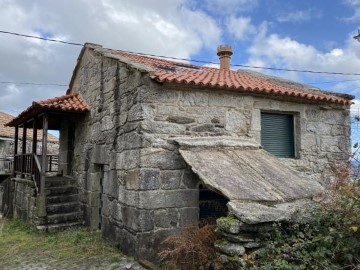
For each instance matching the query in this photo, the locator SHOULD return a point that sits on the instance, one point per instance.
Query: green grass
(18, 239)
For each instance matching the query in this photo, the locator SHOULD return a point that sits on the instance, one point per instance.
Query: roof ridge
(59, 98)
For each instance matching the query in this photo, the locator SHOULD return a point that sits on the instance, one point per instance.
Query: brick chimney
(224, 52)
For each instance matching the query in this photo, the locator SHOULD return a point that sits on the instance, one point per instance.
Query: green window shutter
(277, 134)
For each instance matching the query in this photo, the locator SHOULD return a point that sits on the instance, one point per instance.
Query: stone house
(156, 139)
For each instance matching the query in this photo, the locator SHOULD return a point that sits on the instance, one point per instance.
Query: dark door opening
(212, 205)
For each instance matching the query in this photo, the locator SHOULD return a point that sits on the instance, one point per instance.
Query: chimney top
(224, 52)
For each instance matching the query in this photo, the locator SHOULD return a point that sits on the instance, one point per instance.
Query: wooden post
(23, 152)
(16, 144)
(44, 152)
(34, 145)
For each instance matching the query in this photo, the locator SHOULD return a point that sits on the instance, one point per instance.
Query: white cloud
(240, 27)
(150, 26)
(226, 7)
(284, 52)
(299, 16)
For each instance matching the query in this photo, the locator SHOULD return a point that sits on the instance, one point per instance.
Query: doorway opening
(212, 205)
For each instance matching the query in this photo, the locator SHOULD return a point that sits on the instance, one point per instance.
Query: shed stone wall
(128, 165)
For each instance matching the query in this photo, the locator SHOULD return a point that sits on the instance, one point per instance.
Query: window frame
(295, 127)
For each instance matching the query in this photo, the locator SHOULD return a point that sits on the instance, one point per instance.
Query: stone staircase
(62, 204)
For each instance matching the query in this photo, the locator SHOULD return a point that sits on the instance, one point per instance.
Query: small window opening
(212, 205)
(277, 134)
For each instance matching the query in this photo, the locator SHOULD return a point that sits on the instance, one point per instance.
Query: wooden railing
(6, 164)
(29, 166)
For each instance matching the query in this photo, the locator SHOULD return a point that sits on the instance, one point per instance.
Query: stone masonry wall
(24, 201)
(107, 150)
(249, 225)
(128, 166)
(321, 132)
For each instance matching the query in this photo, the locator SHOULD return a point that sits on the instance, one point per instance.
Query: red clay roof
(186, 74)
(9, 132)
(69, 103)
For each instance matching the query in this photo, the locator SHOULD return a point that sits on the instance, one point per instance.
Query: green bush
(331, 241)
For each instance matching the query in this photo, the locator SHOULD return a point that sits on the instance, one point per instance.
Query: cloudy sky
(306, 35)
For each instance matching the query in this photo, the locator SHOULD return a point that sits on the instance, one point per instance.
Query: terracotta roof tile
(9, 132)
(68, 103)
(166, 71)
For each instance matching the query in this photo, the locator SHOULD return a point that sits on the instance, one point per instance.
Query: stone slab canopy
(244, 172)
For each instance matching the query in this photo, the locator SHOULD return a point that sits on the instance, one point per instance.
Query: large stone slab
(255, 213)
(248, 174)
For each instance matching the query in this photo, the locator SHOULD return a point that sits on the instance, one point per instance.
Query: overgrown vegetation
(192, 250)
(18, 239)
(330, 242)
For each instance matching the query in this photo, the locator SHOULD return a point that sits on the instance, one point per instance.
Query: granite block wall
(134, 184)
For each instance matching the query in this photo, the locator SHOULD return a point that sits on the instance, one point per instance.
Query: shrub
(330, 241)
(194, 249)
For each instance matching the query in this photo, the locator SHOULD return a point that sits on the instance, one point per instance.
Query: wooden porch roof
(71, 103)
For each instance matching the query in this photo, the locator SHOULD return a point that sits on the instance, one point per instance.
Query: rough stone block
(162, 127)
(131, 140)
(189, 217)
(137, 220)
(225, 100)
(228, 248)
(100, 154)
(166, 218)
(171, 179)
(149, 179)
(241, 237)
(115, 211)
(318, 128)
(106, 123)
(158, 95)
(154, 199)
(91, 217)
(236, 121)
(313, 115)
(203, 128)
(180, 119)
(93, 199)
(135, 113)
(132, 179)
(151, 243)
(127, 160)
(190, 179)
(210, 111)
(93, 181)
(162, 159)
(190, 98)
(229, 224)
(128, 197)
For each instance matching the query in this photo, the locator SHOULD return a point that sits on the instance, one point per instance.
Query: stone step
(70, 189)
(62, 198)
(58, 182)
(58, 226)
(64, 217)
(63, 207)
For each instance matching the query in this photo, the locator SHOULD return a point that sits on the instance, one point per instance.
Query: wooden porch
(28, 166)
(42, 195)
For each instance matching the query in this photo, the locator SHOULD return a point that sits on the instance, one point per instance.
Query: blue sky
(311, 35)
